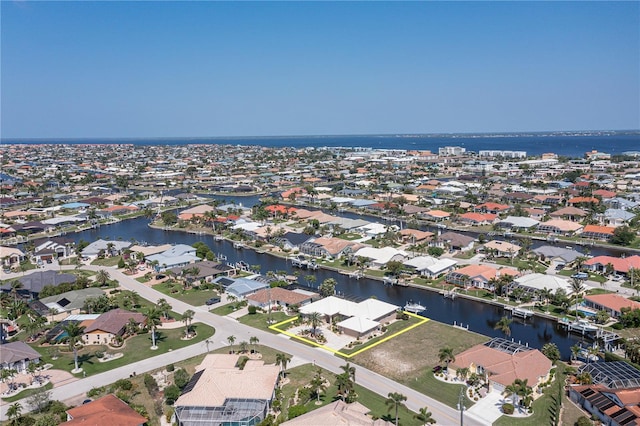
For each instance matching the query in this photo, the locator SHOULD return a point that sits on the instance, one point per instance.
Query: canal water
(478, 317)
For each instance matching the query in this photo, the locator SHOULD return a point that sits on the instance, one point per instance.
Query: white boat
(522, 312)
(413, 307)
(582, 326)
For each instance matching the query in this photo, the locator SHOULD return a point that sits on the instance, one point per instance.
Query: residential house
(502, 248)
(557, 256)
(33, 283)
(436, 215)
(518, 223)
(106, 411)
(53, 248)
(472, 276)
(241, 287)
(279, 297)
(205, 271)
(473, 218)
(358, 320)
(453, 241)
(617, 217)
(329, 247)
(107, 326)
(379, 257)
(221, 393)
(573, 214)
(613, 304)
(431, 267)
(533, 283)
(70, 302)
(490, 207)
(11, 256)
(560, 227)
(620, 265)
(178, 255)
(598, 232)
(17, 356)
(415, 236)
(104, 247)
(501, 362)
(613, 407)
(291, 240)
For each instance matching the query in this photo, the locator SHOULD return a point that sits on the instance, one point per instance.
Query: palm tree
(424, 415)
(575, 351)
(243, 346)
(504, 325)
(164, 307)
(350, 371)
(318, 384)
(512, 391)
(15, 286)
(231, 340)
(14, 412)
(314, 318)
(253, 341)
(396, 400)
(74, 333)
(132, 327)
(153, 321)
(187, 317)
(577, 286)
(344, 385)
(102, 277)
(282, 360)
(446, 355)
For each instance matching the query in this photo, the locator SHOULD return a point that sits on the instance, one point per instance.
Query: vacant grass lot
(259, 320)
(192, 296)
(410, 357)
(135, 349)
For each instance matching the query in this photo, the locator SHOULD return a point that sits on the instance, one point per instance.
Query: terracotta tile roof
(619, 264)
(568, 211)
(114, 321)
(613, 301)
(438, 213)
(485, 271)
(478, 217)
(336, 245)
(278, 294)
(492, 206)
(579, 200)
(106, 411)
(597, 229)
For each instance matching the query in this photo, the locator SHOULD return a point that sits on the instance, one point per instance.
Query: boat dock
(519, 312)
(451, 294)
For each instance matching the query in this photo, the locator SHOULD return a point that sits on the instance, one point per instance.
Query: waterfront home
(585, 201)
(614, 375)
(500, 362)
(11, 256)
(533, 283)
(502, 248)
(613, 407)
(415, 236)
(620, 265)
(557, 256)
(537, 214)
(473, 218)
(108, 410)
(140, 252)
(221, 393)
(598, 232)
(329, 247)
(518, 223)
(50, 248)
(203, 271)
(378, 257)
(279, 297)
(17, 356)
(338, 413)
(104, 329)
(453, 241)
(104, 247)
(198, 211)
(560, 227)
(430, 267)
(490, 207)
(358, 320)
(178, 255)
(472, 276)
(613, 304)
(436, 215)
(617, 217)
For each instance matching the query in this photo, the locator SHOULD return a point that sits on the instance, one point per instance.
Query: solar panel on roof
(63, 302)
(192, 382)
(225, 281)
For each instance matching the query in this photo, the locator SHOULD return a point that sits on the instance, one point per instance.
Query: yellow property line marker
(276, 327)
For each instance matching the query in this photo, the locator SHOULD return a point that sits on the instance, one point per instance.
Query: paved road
(225, 327)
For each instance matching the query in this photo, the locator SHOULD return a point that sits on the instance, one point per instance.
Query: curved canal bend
(479, 317)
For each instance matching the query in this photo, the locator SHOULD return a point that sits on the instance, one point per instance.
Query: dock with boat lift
(520, 312)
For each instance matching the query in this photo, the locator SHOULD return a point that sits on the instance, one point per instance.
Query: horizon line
(397, 134)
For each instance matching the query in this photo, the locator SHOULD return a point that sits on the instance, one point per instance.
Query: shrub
(507, 408)
(169, 414)
(171, 393)
(252, 310)
(95, 392)
(296, 410)
(123, 396)
(151, 384)
(170, 368)
(123, 384)
(99, 354)
(583, 421)
(181, 378)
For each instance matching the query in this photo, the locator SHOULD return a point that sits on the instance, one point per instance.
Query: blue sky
(171, 69)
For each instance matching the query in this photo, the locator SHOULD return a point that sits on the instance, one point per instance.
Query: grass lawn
(135, 349)
(350, 236)
(410, 357)
(259, 320)
(224, 309)
(108, 261)
(394, 327)
(192, 296)
(26, 393)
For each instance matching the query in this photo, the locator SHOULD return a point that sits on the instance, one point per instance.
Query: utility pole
(461, 406)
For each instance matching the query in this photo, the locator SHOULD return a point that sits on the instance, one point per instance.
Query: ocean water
(565, 144)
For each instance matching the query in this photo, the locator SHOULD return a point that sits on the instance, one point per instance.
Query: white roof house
(534, 282)
(178, 255)
(380, 256)
(431, 266)
(519, 222)
(372, 309)
(94, 249)
(373, 229)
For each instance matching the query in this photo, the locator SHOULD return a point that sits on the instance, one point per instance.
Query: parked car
(580, 276)
(212, 301)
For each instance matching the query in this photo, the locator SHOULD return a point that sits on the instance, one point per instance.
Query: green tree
(187, 318)
(74, 335)
(504, 325)
(318, 384)
(350, 370)
(282, 360)
(153, 321)
(424, 415)
(315, 319)
(231, 340)
(623, 236)
(328, 287)
(446, 355)
(14, 412)
(394, 267)
(181, 378)
(395, 401)
(551, 351)
(102, 277)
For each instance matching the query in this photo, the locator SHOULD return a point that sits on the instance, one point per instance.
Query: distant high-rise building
(452, 150)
